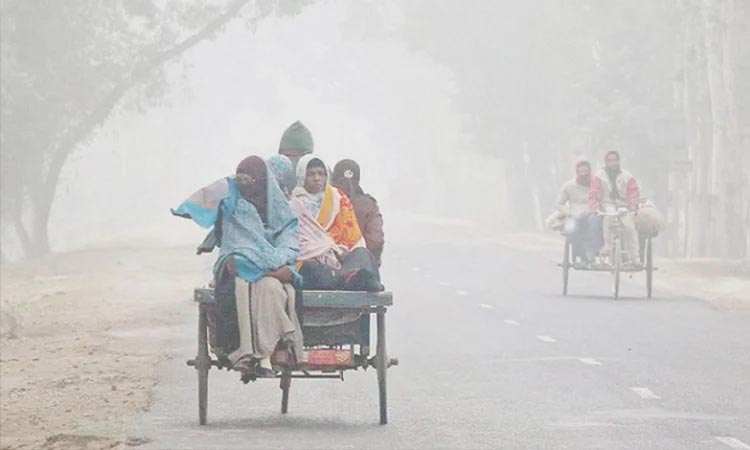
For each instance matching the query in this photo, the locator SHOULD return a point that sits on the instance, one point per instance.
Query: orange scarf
(344, 229)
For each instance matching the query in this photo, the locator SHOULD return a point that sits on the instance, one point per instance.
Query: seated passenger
(254, 272)
(580, 223)
(346, 176)
(332, 250)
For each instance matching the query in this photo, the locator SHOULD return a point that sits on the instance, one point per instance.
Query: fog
(444, 107)
(469, 120)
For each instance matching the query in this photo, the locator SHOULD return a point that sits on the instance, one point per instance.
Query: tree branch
(140, 73)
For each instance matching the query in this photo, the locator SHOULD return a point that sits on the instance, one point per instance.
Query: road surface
(492, 356)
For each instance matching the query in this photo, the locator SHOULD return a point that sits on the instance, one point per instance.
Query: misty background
(113, 112)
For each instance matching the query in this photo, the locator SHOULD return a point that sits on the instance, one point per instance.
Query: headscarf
(583, 181)
(312, 202)
(283, 170)
(304, 163)
(256, 168)
(346, 177)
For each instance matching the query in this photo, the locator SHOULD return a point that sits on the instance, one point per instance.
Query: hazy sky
(365, 97)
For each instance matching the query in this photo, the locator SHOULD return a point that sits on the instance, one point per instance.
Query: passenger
(283, 170)
(346, 177)
(255, 270)
(573, 204)
(332, 250)
(296, 142)
(613, 187)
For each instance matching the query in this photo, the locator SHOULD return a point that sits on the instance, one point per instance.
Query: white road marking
(428, 276)
(590, 361)
(415, 269)
(462, 293)
(511, 322)
(645, 392)
(486, 306)
(444, 283)
(546, 339)
(732, 442)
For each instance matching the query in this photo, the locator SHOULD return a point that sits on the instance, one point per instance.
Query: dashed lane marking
(590, 361)
(732, 442)
(547, 339)
(486, 306)
(444, 283)
(462, 293)
(646, 393)
(415, 269)
(511, 322)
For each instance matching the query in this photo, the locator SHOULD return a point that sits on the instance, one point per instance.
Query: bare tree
(61, 84)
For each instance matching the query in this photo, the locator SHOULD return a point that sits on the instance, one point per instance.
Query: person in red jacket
(611, 186)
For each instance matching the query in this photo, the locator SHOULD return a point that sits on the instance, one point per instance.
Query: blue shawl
(257, 248)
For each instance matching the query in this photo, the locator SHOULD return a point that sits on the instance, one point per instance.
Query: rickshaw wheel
(202, 364)
(566, 266)
(649, 268)
(381, 366)
(616, 266)
(285, 384)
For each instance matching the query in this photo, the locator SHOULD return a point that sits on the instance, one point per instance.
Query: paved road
(492, 357)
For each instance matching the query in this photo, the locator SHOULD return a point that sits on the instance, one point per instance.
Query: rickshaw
(331, 349)
(615, 265)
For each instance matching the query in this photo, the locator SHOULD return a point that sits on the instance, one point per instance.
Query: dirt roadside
(82, 340)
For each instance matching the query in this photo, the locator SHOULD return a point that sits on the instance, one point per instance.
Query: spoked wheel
(285, 384)
(202, 364)
(616, 267)
(566, 267)
(381, 366)
(649, 267)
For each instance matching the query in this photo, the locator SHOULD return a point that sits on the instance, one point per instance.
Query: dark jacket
(370, 223)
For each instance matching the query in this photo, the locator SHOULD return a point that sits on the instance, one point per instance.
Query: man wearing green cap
(296, 142)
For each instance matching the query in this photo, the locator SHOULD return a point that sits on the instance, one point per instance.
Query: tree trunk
(43, 199)
(726, 159)
(732, 188)
(694, 107)
(42, 206)
(714, 72)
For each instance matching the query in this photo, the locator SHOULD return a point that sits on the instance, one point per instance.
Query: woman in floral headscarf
(332, 249)
(283, 170)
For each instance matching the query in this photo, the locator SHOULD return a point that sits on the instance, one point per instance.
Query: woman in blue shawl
(258, 232)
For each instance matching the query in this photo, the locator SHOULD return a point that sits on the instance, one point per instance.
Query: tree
(66, 66)
(541, 83)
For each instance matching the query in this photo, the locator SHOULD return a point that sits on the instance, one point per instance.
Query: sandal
(246, 364)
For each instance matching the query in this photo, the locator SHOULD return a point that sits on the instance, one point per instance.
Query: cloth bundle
(649, 221)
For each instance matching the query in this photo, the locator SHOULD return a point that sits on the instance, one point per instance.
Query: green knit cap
(297, 140)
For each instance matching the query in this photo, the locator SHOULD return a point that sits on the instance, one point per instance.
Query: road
(491, 357)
